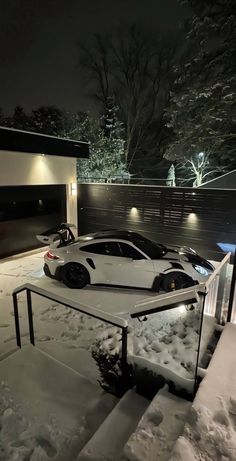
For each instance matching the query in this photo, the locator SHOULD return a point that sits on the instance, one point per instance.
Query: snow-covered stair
(159, 428)
(210, 430)
(46, 408)
(108, 442)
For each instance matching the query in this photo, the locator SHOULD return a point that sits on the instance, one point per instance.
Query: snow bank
(210, 432)
(167, 344)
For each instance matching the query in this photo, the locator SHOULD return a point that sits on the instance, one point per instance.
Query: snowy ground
(58, 330)
(210, 431)
(47, 411)
(166, 341)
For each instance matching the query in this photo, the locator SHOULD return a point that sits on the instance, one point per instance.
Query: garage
(38, 186)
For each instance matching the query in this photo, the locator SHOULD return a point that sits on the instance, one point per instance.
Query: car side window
(104, 248)
(129, 252)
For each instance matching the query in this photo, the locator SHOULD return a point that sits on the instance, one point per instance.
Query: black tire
(156, 286)
(176, 281)
(75, 275)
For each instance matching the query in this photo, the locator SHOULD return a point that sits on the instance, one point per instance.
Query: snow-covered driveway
(168, 339)
(58, 330)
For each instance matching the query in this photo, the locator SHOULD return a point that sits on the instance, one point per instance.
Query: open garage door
(26, 211)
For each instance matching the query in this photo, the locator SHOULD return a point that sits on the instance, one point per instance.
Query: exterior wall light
(73, 189)
(134, 213)
(192, 217)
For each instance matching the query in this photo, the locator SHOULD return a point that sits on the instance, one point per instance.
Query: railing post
(30, 316)
(220, 294)
(203, 300)
(124, 348)
(232, 291)
(17, 323)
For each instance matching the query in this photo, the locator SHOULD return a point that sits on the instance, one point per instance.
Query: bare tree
(134, 69)
(199, 168)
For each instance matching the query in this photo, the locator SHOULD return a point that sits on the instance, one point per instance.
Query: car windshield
(151, 249)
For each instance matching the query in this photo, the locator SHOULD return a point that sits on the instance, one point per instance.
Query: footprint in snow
(232, 411)
(44, 338)
(47, 446)
(221, 417)
(155, 417)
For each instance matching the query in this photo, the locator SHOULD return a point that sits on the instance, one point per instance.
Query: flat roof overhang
(37, 143)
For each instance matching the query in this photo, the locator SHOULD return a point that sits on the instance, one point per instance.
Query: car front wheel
(176, 281)
(75, 275)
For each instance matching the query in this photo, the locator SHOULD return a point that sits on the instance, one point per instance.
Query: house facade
(38, 186)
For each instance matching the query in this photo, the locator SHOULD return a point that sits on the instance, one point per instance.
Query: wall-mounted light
(192, 217)
(73, 189)
(134, 212)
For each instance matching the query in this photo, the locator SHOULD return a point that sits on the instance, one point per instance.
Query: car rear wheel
(74, 275)
(176, 281)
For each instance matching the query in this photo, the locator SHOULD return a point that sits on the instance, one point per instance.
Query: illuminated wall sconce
(192, 217)
(73, 189)
(134, 212)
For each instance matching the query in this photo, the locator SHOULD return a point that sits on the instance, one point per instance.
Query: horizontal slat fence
(203, 219)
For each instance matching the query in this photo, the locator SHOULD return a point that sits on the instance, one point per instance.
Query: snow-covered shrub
(115, 377)
(147, 382)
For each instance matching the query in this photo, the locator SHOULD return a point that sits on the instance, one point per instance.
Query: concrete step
(108, 441)
(159, 428)
(52, 399)
(8, 352)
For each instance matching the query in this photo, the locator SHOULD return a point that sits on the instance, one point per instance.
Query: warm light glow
(73, 189)
(134, 212)
(192, 218)
(40, 171)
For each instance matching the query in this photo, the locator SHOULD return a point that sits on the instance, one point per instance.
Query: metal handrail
(218, 269)
(146, 306)
(168, 300)
(83, 308)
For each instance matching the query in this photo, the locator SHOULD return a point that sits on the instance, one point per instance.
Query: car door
(102, 257)
(133, 268)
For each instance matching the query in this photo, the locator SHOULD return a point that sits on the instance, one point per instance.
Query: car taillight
(51, 255)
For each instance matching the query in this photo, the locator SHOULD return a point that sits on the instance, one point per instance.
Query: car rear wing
(59, 236)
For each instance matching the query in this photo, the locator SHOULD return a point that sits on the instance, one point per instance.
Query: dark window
(151, 249)
(129, 252)
(104, 248)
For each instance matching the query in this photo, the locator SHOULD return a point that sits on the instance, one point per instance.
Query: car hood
(188, 255)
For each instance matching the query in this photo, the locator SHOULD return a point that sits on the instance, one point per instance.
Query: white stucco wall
(19, 169)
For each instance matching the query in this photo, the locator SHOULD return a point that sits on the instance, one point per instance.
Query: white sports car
(119, 257)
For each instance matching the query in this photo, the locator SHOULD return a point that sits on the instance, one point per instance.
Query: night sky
(39, 45)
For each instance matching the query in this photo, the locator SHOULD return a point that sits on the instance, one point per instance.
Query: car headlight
(201, 270)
